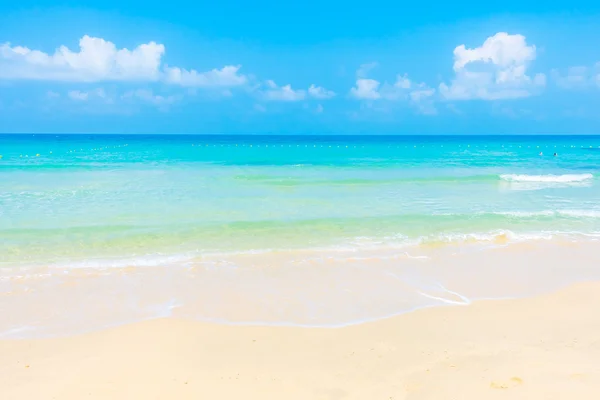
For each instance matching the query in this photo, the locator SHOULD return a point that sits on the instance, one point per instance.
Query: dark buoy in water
(555, 154)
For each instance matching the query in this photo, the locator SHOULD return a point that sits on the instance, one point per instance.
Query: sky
(310, 67)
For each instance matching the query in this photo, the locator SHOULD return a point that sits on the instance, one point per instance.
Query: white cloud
(52, 95)
(319, 109)
(421, 94)
(148, 96)
(283, 93)
(495, 70)
(371, 89)
(100, 60)
(96, 60)
(422, 99)
(273, 92)
(366, 89)
(402, 82)
(226, 76)
(319, 92)
(418, 95)
(78, 95)
(399, 90)
(501, 49)
(364, 69)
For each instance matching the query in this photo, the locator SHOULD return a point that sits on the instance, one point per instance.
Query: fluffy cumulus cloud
(282, 93)
(404, 89)
(319, 92)
(287, 93)
(495, 70)
(78, 95)
(422, 99)
(96, 60)
(418, 95)
(100, 60)
(498, 69)
(366, 89)
(226, 76)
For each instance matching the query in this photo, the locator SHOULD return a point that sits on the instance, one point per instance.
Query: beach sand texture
(546, 347)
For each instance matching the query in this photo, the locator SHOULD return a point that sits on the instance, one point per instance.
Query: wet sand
(545, 347)
(295, 288)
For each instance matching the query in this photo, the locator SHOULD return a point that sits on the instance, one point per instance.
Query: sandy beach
(299, 267)
(545, 347)
(299, 201)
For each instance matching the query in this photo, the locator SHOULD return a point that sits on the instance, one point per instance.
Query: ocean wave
(279, 180)
(149, 260)
(495, 236)
(550, 213)
(566, 178)
(580, 213)
(386, 247)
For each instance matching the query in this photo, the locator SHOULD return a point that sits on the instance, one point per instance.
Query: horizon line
(302, 134)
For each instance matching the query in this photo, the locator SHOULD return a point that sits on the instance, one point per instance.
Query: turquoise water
(149, 200)
(312, 231)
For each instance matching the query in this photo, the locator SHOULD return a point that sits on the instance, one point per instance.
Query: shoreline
(542, 347)
(324, 291)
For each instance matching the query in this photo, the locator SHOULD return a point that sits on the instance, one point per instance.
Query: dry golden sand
(546, 348)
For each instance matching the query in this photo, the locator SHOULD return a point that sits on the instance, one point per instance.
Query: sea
(249, 209)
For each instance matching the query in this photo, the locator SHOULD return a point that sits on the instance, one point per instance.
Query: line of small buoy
(307, 146)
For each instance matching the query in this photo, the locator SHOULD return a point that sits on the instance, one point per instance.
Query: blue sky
(304, 67)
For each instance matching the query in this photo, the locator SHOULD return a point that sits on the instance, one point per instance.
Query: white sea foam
(150, 260)
(525, 214)
(402, 242)
(388, 247)
(488, 237)
(567, 178)
(551, 213)
(580, 213)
